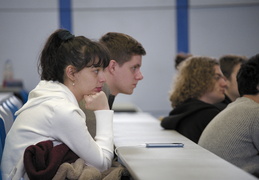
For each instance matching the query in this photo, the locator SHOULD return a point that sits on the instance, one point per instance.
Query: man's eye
(134, 68)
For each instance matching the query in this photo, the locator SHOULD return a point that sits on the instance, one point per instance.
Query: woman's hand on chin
(96, 101)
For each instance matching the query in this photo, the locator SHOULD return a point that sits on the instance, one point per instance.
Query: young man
(230, 65)
(233, 133)
(123, 72)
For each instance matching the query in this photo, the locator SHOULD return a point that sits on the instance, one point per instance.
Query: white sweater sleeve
(73, 132)
(104, 129)
(104, 133)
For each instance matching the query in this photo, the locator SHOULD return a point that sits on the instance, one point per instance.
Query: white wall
(25, 25)
(216, 27)
(221, 28)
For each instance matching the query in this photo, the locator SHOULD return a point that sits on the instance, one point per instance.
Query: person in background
(72, 69)
(123, 72)
(233, 133)
(179, 58)
(199, 84)
(230, 65)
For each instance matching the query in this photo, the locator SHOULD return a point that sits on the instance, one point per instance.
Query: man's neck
(253, 97)
(109, 82)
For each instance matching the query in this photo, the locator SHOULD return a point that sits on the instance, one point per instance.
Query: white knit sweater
(234, 135)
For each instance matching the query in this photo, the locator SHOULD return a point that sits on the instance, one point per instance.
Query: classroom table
(133, 130)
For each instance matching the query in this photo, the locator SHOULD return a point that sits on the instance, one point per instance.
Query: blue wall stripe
(182, 26)
(65, 18)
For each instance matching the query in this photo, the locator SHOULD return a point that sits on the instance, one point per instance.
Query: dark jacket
(223, 104)
(190, 118)
(41, 161)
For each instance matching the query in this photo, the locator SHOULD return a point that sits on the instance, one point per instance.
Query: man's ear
(70, 72)
(112, 66)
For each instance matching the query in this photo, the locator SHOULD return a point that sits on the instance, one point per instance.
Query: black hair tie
(65, 35)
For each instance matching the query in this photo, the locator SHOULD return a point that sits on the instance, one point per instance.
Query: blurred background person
(230, 65)
(179, 58)
(199, 84)
(233, 133)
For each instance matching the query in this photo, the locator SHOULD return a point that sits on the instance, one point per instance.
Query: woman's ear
(112, 66)
(70, 72)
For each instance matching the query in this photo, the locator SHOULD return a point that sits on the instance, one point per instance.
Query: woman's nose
(102, 76)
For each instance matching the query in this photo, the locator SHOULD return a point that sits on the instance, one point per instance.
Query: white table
(133, 130)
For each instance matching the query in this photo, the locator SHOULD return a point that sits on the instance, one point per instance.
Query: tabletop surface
(133, 130)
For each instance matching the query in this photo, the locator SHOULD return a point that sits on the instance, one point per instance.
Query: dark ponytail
(65, 35)
(48, 61)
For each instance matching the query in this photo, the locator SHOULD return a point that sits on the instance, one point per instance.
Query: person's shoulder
(200, 105)
(66, 109)
(211, 108)
(206, 112)
(221, 105)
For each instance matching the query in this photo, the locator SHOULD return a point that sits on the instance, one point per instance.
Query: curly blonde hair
(195, 77)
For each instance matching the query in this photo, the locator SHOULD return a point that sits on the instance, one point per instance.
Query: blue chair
(2, 132)
(2, 140)
(0, 175)
(11, 107)
(1, 152)
(7, 116)
(24, 95)
(16, 102)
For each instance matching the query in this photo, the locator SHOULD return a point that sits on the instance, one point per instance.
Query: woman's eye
(96, 71)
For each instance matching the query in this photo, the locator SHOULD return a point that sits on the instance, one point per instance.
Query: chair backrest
(24, 95)
(15, 101)
(1, 153)
(2, 131)
(9, 104)
(11, 107)
(7, 116)
(0, 174)
(2, 140)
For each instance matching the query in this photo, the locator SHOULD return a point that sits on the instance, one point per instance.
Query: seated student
(71, 70)
(123, 72)
(230, 65)
(233, 133)
(199, 84)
